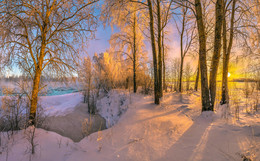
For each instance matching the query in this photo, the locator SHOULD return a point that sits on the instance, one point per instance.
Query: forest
(143, 80)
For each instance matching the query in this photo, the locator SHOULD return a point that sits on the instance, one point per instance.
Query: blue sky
(102, 36)
(101, 41)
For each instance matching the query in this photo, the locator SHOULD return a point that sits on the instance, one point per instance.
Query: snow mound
(48, 146)
(75, 125)
(112, 106)
(207, 116)
(223, 111)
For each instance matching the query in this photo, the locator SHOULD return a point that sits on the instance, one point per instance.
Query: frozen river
(53, 89)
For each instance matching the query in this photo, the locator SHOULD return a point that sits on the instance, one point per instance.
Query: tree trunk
(182, 53)
(224, 94)
(181, 73)
(163, 59)
(197, 77)
(34, 97)
(216, 54)
(127, 81)
(202, 58)
(226, 53)
(258, 81)
(188, 84)
(84, 97)
(159, 48)
(36, 80)
(88, 95)
(134, 54)
(156, 89)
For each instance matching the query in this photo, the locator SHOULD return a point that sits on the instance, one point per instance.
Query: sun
(229, 74)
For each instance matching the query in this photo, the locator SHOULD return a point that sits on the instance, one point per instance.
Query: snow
(61, 97)
(47, 147)
(112, 106)
(60, 104)
(174, 130)
(77, 124)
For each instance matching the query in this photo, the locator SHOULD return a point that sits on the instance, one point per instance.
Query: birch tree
(202, 57)
(129, 40)
(216, 54)
(208, 92)
(86, 79)
(227, 50)
(155, 66)
(163, 15)
(186, 30)
(197, 77)
(39, 36)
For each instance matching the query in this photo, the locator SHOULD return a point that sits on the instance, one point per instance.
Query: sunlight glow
(229, 74)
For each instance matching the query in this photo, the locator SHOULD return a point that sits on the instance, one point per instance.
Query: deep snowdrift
(77, 124)
(175, 130)
(66, 115)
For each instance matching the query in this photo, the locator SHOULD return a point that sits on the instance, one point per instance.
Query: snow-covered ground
(174, 130)
(60, 104)
(110, 107)
(113, 105)
(66, 114)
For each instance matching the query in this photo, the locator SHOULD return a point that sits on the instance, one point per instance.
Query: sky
(102, 36)
(101, 42)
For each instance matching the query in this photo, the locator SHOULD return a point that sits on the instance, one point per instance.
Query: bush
(15, 112)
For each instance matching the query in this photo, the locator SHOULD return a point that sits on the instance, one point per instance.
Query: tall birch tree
(40, 36)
